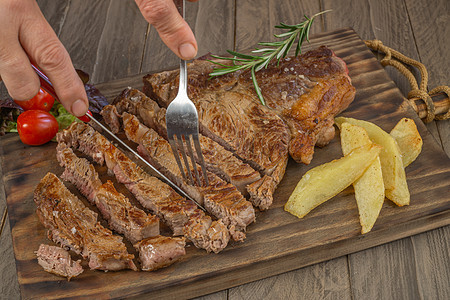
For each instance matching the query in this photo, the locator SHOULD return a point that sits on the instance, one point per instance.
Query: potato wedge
(408, 140)
(369, 188)
(326, 181)
(394, 177)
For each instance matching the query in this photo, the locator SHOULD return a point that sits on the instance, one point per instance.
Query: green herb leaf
(258, 90)
(61, 115)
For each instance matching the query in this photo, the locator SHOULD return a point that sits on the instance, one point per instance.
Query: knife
(116, 141)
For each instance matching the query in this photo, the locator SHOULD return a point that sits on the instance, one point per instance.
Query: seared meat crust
(57, 260)
(306, 91)
(220, 198)
(153, 194)
(218, 160)
(160, 251)
(74, 226)
(122, 216)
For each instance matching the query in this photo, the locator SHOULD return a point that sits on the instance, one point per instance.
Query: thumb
(173, 30)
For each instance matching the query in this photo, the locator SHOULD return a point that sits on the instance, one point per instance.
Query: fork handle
(182, 88)
(180, 4)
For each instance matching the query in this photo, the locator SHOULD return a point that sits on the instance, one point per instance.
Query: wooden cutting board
(278, 242)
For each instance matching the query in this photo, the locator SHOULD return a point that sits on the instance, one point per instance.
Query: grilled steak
(307, 91)
(122, 216)
(180, 214)
(220, 198)
(85, 139)
(56, 260)
(237, 121)
(152, 193)
(160, 251)
(74, 226)
(218, 160)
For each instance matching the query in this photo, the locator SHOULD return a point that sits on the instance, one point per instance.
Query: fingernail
(187, 51)
(79, 108)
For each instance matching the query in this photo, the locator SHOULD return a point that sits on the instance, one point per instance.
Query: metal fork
(182, 127)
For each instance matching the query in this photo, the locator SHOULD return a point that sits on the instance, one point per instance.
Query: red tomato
(36, 127)
(42, 101)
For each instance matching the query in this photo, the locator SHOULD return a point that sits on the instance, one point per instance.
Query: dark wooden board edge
(264, 269)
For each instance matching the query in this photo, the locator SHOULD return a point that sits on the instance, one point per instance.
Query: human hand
(26, 36)
(172, 29)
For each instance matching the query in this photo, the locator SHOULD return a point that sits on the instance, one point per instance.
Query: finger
(15, 70)
(43, 47)
(172, 29)
(20, 80)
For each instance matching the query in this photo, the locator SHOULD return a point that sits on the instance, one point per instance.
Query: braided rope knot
(416, 93)
(399, 61)
(446, 90)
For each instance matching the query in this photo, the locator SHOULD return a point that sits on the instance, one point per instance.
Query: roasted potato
(326, 181)
(369, 188)
(408, 139)
(394, 177)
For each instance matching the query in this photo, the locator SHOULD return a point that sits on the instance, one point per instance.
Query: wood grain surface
(411, 268)
(277, 242)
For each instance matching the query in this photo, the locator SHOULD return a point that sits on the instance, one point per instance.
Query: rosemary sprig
(262, 56)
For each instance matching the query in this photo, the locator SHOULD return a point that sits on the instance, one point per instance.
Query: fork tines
(181, 143)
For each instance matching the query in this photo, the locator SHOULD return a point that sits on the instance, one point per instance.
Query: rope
(398, 61)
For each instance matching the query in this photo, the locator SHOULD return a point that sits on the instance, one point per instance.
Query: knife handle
(87, 117)
(48, 87)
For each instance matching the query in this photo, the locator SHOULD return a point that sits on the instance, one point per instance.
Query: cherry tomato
(36, 127)
(42, 101)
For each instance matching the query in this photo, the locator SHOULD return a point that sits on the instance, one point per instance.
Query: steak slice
(220, 198)
(153, 194)
(160, 251)
(85, 139)
(78, 171)
(74, 226)
(307, 91)
(56, 260)
(179, 214)
(218, 160)
(121, 215)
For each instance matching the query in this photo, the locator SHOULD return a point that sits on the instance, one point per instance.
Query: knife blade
(140, 161)
(116, 141)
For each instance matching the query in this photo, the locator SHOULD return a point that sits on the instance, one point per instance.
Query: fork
(182, 127)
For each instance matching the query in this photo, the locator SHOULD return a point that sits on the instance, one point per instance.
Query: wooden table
(110, 40)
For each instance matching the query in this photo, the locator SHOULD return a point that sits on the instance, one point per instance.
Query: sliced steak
(152, 193)
(111, 116)
(74, 226)
(134, 223)
(160, 251)
(307, 91)
(57, 260)
(84, 138)
(220, 198)
(218, 160)
(207, 234)
(78, 171)
(176, 211)
(252, 132)
(121, 215)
